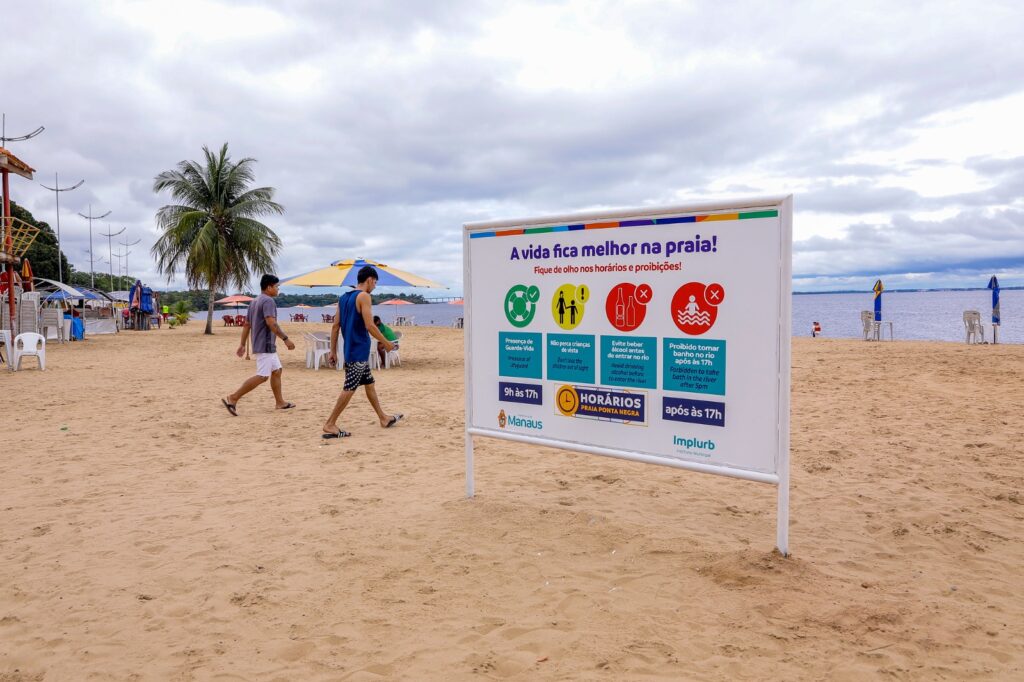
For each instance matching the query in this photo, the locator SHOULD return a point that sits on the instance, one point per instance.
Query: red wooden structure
(17, 236)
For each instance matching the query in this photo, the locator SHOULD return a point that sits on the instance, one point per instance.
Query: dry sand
(146, 534)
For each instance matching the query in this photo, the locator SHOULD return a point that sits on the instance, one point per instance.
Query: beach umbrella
(135, 297)
(878, 289)
(343, 273)
(993, 284)
(457, 301)
(26, 274)
(235, 298)
(395, 301)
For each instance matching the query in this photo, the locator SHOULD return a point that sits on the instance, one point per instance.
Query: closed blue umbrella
(993, 284)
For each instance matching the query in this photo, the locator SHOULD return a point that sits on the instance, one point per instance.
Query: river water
(919, 315)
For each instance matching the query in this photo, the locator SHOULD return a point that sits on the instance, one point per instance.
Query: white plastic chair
(5, 341)
(28, 312)
(29, 344)
(973, 326)
(872, 330)
(374, 355)
(53, 318)
(392, 357)
(5, 315)
(317, 348)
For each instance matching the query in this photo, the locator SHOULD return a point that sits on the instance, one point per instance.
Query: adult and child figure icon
(354, 322)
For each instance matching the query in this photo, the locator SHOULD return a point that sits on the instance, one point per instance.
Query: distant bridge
(442, 299)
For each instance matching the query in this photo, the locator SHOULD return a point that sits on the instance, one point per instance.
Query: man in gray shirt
(262, 323)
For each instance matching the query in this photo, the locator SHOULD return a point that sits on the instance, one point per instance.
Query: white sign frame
(780, 478)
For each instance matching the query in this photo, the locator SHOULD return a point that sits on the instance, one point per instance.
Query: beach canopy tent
(95, 309)
(48, 285)
(344, 273)
(59, 296)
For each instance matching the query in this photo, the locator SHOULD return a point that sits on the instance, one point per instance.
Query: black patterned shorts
(357, 374)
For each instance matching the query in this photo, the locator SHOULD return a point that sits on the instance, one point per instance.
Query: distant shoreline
(899, 291)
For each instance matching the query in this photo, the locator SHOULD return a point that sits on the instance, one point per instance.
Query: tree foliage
(211, 233)
(43, 253)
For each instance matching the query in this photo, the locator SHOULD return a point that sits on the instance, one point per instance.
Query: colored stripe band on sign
(674, 220)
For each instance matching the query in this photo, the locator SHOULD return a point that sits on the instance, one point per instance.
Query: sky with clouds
(384, 126)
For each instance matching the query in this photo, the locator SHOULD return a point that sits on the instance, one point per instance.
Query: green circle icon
(521, 304)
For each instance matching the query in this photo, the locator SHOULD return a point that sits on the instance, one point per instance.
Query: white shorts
(267, 363)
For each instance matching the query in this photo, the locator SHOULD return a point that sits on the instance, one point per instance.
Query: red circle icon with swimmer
(695, 307)
(626, 305)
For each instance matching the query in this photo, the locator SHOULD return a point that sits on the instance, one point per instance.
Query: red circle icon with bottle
(626, 305)
(695, 307)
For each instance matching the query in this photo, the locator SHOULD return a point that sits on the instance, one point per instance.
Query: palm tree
(212, 231)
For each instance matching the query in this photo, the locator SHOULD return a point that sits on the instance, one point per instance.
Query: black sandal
(231, 408)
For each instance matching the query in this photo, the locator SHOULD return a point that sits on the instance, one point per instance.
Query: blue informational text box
(693, 411)
(571, 357)
(520, 354)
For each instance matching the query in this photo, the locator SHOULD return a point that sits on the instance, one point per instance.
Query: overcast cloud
(386, 126)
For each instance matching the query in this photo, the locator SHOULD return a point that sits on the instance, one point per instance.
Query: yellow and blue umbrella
(343, 273)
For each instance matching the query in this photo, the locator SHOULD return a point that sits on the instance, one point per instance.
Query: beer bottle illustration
(620, 310)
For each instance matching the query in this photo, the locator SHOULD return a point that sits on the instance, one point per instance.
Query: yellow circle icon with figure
(568, 303)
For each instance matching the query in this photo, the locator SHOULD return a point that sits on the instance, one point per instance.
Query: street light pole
(90, 218)
(57, 189)
(110, 251)
(121, 260)
(126, 245)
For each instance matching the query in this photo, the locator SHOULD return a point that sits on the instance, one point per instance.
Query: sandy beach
(147, 535)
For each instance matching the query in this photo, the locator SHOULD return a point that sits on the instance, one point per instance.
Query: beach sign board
(659, 335)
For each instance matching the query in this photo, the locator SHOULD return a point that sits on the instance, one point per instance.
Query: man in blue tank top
(355, 322)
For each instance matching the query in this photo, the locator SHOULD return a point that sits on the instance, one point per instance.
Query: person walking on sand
(262, 321)
(355, 322)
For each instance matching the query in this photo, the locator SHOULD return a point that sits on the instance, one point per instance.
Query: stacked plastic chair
(5, 316)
